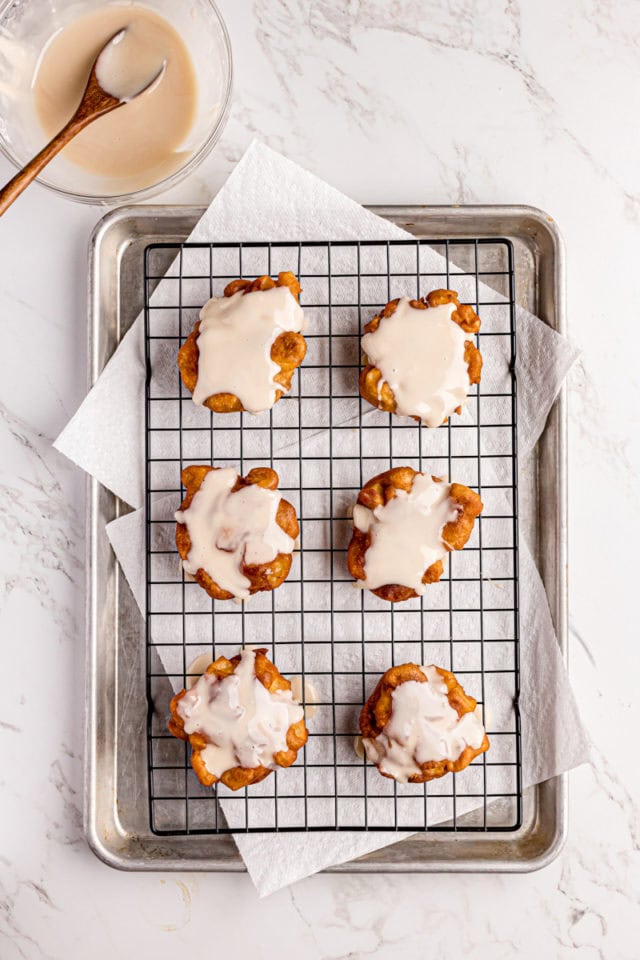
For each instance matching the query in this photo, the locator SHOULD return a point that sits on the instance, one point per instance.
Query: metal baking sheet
(116, 808)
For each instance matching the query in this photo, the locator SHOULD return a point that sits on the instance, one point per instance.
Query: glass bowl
(25, 28)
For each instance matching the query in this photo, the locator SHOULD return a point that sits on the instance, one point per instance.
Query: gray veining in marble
(403, 101)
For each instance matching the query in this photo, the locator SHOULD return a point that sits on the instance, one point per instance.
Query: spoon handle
(12, 190)
(94, 104)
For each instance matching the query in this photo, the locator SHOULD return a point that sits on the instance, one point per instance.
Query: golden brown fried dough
(262, 576)
(238, 777)
(382, 396)
(288, 349)
(377, 711)
(381, 490)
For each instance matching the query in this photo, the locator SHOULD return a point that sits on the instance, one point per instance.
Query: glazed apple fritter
(288, 349)
(377, 711)
(380, 490)
(263, 576)
(376, 391)
(238, 777)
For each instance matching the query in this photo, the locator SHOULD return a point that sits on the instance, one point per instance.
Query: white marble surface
(410, 101)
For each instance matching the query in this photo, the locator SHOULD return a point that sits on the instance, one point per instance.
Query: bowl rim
(144, 193)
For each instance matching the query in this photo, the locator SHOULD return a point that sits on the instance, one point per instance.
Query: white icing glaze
(406, 534)
(234, 343)
(423, 727)
(245, 724)
(420, 354)
(227, 529)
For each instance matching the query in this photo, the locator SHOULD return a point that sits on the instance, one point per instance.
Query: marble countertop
(405, 102)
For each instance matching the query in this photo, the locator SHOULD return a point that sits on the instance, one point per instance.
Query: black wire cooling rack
(325, 442)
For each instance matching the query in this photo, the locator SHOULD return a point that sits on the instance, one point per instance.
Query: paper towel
(269, 198)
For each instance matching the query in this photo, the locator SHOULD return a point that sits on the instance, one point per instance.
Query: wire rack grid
(325, 442)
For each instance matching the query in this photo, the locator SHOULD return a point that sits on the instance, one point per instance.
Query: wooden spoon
(95, 103)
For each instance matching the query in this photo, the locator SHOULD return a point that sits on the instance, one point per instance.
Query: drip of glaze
(484, 715)
(196, 668)
(245, 724)
(228, 529)
(423, 727)
(306, 693)
(420, 354)
(406, 534)
(189, 577)
(234, 343)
